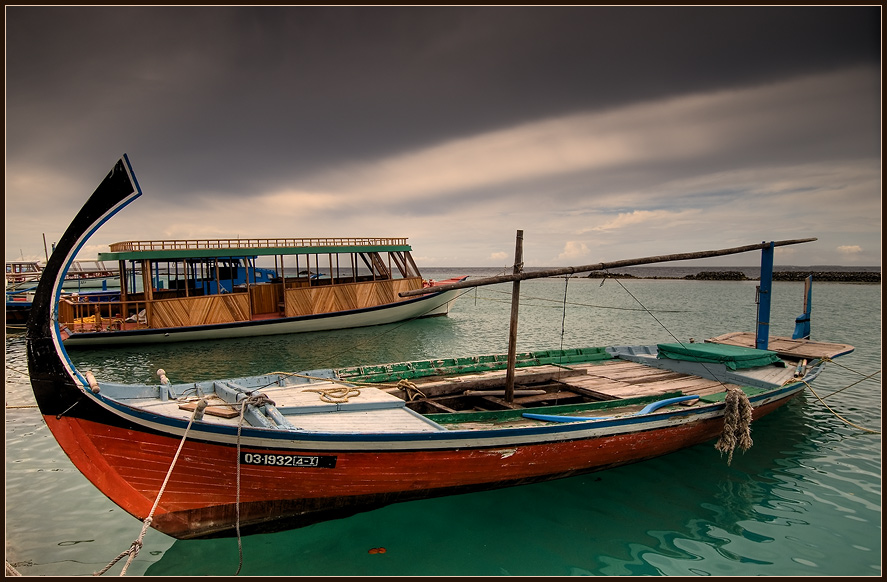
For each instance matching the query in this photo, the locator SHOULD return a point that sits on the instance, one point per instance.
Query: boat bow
(48, 361)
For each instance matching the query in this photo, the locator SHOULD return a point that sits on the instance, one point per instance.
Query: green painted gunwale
(485, 363)
(451, 366)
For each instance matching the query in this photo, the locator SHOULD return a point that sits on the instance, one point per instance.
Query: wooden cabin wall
(326, 299)
(200, 310)
(266, 297)
(66, 311)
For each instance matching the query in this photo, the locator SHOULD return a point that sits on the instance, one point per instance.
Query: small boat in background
(280, 450)
(86, 281)
(21, 274)
(84, 274)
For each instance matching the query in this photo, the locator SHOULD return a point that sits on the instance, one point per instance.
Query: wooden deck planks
(621, 379)
(786, 347)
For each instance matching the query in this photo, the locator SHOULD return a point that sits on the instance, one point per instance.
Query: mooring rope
(737, 423)
(22, 372)
(256, 400)
(841, 418)
(137, 544)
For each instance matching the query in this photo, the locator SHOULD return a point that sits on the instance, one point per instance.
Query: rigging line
(850, 369)
(564, 318)
(850, 385)
(668, 331)
(650, 313)
(396, 326)
(588, 304)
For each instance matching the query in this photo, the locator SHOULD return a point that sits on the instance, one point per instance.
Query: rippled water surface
(805, 500)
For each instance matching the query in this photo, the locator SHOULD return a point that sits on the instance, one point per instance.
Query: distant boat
(254, 454)
(21, 274)
(210, 289)
(87, 280)
(84, 275)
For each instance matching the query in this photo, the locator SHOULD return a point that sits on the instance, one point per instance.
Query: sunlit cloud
(574, 250)
(850, 249)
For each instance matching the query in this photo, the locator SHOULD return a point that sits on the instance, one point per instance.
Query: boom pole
(601, 267)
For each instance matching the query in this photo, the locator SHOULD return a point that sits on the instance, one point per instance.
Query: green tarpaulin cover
(734, 357)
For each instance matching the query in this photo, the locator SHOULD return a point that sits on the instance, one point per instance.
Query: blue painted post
(762, 335)
(802, 323)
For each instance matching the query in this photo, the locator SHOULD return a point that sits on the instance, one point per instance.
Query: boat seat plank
(306, 400)
(394, 420)
(220, 411)
(497, 378)
(638, 375)
(560, 396)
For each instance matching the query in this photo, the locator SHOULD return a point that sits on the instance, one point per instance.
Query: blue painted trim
(653, 406)
(60, 280)
(205, 432)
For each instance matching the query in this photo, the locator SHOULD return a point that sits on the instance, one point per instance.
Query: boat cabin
(23, 271)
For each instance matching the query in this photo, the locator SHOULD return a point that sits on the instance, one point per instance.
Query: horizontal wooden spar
(601, 266)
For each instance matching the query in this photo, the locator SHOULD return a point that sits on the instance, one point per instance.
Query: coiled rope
(737, 423)
(335, 395)
(133, 550)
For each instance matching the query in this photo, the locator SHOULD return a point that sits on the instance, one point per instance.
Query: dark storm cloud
(296, 88)
(219, 104)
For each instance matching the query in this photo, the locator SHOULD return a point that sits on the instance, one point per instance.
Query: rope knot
(412, 391)
(257, 400)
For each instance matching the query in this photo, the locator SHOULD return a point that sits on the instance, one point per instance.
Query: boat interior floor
(621, 385)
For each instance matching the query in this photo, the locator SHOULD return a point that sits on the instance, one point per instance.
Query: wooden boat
(22, 273)
(254, 454)
(86, 281)
(83, 275)
(183, 290)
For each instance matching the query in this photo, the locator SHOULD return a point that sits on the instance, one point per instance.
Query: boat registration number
(324, 462)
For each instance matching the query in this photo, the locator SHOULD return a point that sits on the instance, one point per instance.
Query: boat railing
(81, 315)
(253, 243)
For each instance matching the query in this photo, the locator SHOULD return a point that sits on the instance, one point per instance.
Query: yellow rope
(822, 398)
(836, 414)
(335, 395)
(410, 389)
(22, 372)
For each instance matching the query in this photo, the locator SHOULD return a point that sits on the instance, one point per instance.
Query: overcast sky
(604, 133)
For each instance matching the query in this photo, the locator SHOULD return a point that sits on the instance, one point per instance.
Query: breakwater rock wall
(818, 276)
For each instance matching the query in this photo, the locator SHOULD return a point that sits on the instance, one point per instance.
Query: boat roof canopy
(227, 248)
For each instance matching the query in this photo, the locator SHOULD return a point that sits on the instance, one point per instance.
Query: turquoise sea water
(805, 500)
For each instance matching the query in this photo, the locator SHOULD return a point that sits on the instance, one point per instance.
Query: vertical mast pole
(762, 335)
(515, 302)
